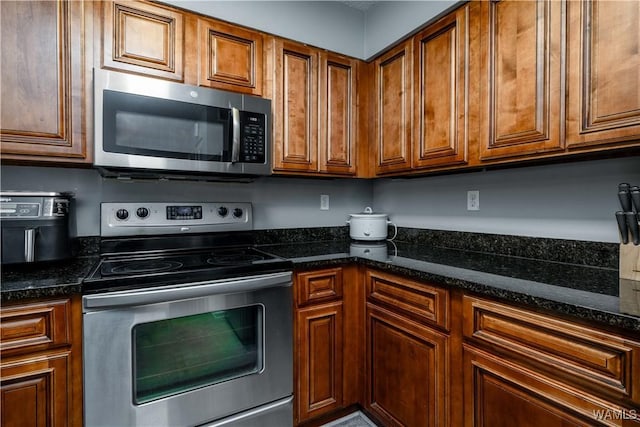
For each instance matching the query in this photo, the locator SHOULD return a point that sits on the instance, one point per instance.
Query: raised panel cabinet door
(143, 38)
(338, 114)
(441, 63)
(498, 393)
(296, 108)
(603, 72)
(393, 88)
(44, 80)
(36, 392)
(522, 98)
(407, 371)
(230, 57)
(319, 343)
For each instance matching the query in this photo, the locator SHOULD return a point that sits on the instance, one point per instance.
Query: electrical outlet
(473, 200)
(324, 202)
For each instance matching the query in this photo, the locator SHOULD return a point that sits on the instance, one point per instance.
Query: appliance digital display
(184, 212)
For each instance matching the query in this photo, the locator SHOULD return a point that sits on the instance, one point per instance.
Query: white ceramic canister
(370, 226)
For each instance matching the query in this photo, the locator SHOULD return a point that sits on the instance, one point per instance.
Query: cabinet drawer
(418, 300)
(604, 363)
(319, 286)
(34, 326)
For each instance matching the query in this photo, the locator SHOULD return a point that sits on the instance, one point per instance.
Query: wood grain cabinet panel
(318, 286)
(602, 363)
(296, 108)
(143, 38)
(338, 114)
(603, 70)
(421, 301)
(34, 327)
(394, 98)
(522, 99)
(501, 394)
(407, 371)
(45, 80)
(41, 363)
(35, 392)
(319, 386)
(230, 57)
(441, 74)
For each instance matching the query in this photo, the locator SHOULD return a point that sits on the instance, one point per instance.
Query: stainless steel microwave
(149, 125)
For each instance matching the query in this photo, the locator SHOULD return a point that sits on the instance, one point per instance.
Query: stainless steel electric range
(186, 323)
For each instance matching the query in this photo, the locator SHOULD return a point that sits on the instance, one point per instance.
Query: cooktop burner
(144, 266)
(234, 257)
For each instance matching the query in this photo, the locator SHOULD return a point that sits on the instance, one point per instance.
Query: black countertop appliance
(35, 226)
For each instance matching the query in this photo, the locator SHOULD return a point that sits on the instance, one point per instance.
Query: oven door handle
(186, 291)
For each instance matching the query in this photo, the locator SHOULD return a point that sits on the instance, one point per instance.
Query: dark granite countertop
(44, 280)
(564, 287)
(584, 292)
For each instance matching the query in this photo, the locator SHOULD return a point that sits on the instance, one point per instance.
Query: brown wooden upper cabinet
(314, 104)
(521, 110)
(46, 80)
(441, 102)
(603, 72)
(394, 94)
(143, 38)
(230, 57)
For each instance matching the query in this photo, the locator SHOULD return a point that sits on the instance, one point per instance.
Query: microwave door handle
(30, 244)
(235, 136)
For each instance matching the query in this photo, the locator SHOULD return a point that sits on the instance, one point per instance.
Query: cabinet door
(45, 80)
(36, 392)
(319, 357)
(441, 107)
(230, 57)
(603, 72)
(393, 86)
(407, 371)
(338, 115)
(522, 44)
(498, 393)
(143, 38)
(296, 108)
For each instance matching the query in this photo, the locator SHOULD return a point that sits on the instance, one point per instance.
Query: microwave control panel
(252, 137)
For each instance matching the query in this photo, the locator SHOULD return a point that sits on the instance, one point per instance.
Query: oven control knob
(237, 213)
(122, 214)
(142, 212)
(222, 211)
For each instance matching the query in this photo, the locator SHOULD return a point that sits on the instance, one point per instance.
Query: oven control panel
(153, 218)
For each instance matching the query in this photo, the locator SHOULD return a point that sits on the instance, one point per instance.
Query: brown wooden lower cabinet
(500, 393)
(319, 388)
(41, 366)
(433, 356)
(407, 370)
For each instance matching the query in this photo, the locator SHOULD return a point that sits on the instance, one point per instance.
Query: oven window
(176, 355)
(135, 124)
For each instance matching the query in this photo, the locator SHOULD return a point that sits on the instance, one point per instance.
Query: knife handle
(623, 186)
(625, 200)
(632, 223)
(635, 196)
(622, 227)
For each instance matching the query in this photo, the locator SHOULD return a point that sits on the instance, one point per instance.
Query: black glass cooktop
(136, 270)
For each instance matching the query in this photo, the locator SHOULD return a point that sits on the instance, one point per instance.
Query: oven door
(187, 355)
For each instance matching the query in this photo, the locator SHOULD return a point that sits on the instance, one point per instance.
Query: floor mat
(357, 419)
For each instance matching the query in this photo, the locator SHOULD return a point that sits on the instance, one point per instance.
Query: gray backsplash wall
(567, 201)
(573, 201)
(277, 202)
